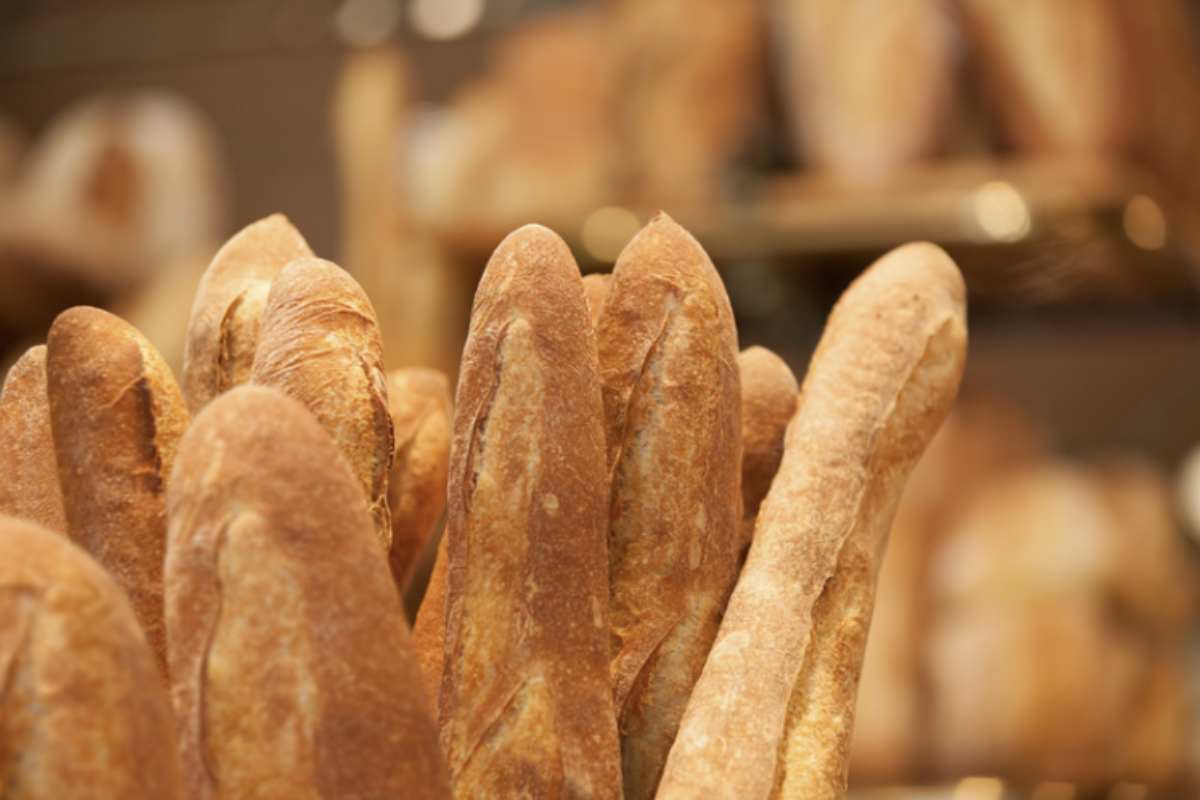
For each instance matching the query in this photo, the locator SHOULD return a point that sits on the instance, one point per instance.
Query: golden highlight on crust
(320, 344)
(668, 360)
(29, 486)
(116, 417)
(879, 385)
(292, 670)
(419, 401)
(525, 702)
(82, 708)
(224, 323)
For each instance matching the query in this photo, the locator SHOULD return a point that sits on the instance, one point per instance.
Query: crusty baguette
(526, 702)
(292, 672)
(227, 310)
(769, 392)
(668, 360)
(420, 406)
(117, 416)
(595, 291)
(429, 629)
(879, 385)
(319, 343)
(83, 712)
(29, 485)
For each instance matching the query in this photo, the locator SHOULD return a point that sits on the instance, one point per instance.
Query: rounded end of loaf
(530, 260)
(278, 603)
(105, 695)
(25, 369)
(254, 254)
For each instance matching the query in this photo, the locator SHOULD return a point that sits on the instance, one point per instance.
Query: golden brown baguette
(319, 343)
(595, 291)
(429, 629)
(29, 485)
(83, 712)
(420, 407)
(668, 360)
(227, 310)
(769, 392)
(526, 702)
(292, 671)
(117, 415)
(881, 381)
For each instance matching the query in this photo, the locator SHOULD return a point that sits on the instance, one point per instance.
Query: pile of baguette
(659, 559)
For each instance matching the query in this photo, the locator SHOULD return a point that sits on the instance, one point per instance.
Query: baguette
(292, 672)
(668, 356)
(82, 711)
(319, 343)
(29, 485)
(227, 310)
(429, 630)
(420, 409)
(595, 290)
(117, 416)
(769, 392)
(882, 379)
(526, 702)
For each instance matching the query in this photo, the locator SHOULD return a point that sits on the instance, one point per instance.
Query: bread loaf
(1055, 70)
(227, 310)
(117, 415)
(420, 409)
(28, 467)
(319, 344)
(83, 712)
(867, 86)
(773, 711)
(292, 672)
(668, 360)
(429, 629)
(595, 291)
(526, 702)
(769, 393)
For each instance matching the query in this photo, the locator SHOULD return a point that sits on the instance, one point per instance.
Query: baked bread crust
(668, 361)
(319, 343)
(526, 702)
(29, 486)
(228, 306)
(880, 383)
(292, 671)
(83, 711)
(117, 415)
(419, 401)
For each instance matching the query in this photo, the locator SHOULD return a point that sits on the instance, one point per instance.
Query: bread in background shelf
(1056, 72)
(867, 86)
